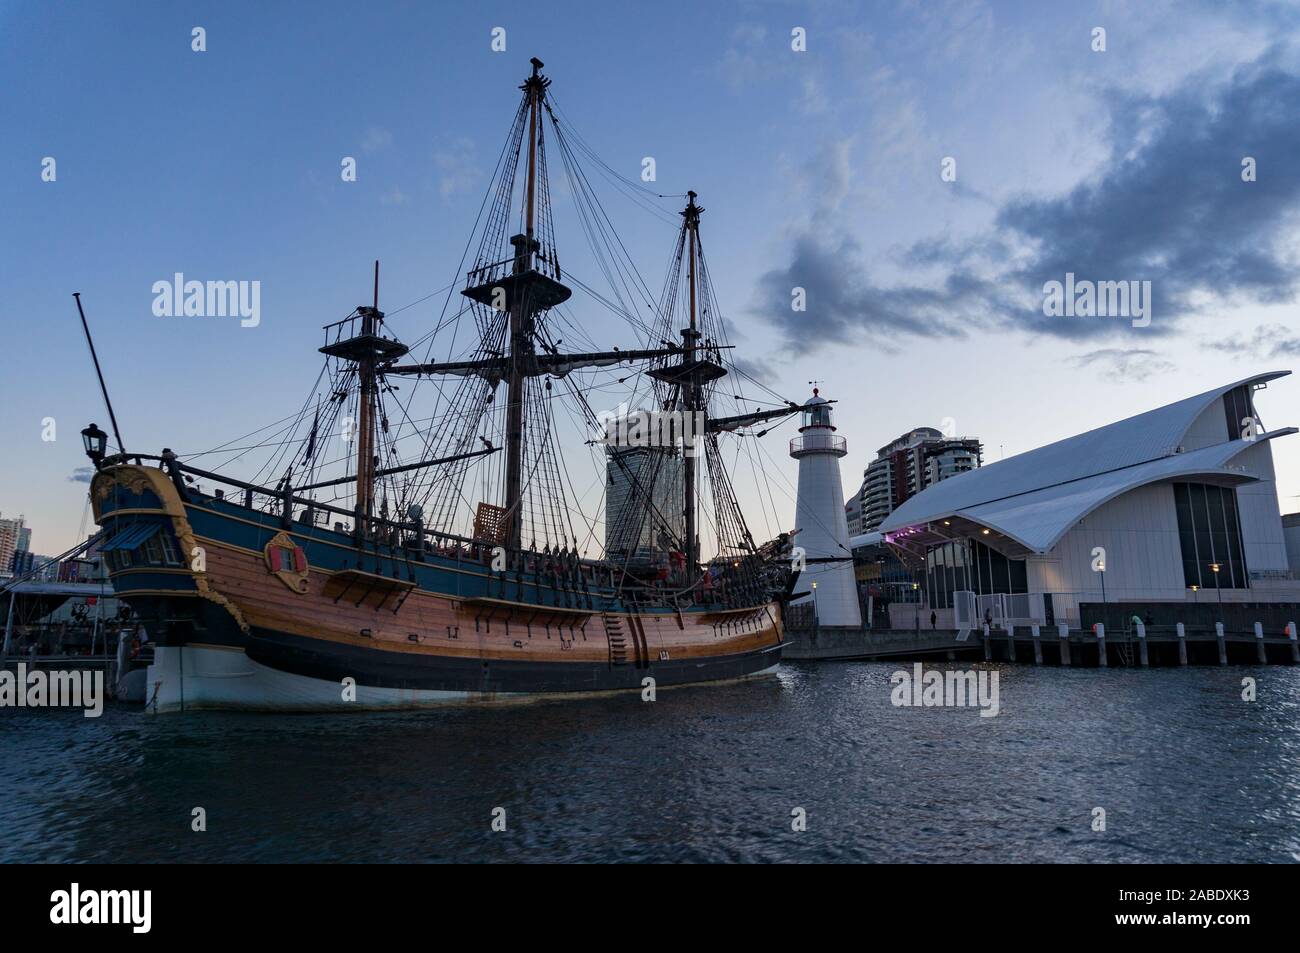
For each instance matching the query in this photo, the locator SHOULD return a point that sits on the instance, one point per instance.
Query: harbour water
(1183, 767)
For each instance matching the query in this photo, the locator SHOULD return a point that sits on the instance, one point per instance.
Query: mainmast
(524, 293)
(690, 391)
(520, 319)
(370, 317)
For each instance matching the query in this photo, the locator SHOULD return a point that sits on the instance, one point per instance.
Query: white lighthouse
(823, 529)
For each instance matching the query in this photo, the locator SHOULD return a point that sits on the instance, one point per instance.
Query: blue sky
(819, 169)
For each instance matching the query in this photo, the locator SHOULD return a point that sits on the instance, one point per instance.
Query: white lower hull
(209, 677)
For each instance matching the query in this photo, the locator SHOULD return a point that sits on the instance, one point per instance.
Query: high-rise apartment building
(905, 467)
(14, 537)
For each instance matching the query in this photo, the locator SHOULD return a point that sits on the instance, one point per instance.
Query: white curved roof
(866, 539)
(1035, 497)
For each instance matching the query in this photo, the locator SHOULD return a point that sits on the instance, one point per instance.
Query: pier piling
(1295, 646)
(1223, 646)
(1182, 644)
(1100, 628)
(1259, 643)
(1063, 631)
(1142, 643)
(1038, 646)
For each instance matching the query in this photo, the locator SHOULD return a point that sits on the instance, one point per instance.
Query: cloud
(842, 303)
(756, 369)
(457, 168)
(1168, 205)
(376, 140)
(1267, 341)
(394, 196)
(82, 475)
(1124, 365)
(746, 59)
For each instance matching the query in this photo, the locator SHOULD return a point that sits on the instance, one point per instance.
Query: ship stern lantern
(95, 441)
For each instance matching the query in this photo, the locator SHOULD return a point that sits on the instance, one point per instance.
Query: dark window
(1209, 535)
(1019, 577)
(170, 556)
(1240, 579)
(1236, 409)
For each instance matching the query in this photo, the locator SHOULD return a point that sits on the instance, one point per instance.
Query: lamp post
(95, 441)
(1100, 568)
(916, 601)
(880, 582)
(815, 613)
(1194, 591)
(1214, 568)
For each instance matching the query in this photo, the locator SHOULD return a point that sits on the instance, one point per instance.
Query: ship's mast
(690, 391)
(370, 317)
(513, 288)
(369, 350)
(521, 315)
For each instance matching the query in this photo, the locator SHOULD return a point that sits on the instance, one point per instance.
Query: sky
(821, 169)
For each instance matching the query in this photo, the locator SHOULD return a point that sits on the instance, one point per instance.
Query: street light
(916, 601)
(1214, 568)
(95, 441)
(1099, 567)
(815, 612)
(1194, 591)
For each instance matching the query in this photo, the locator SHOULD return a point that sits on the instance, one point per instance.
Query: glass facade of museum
(969, 564)
(1209, 532)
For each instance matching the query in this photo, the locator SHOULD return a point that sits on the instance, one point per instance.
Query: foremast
(367, 348)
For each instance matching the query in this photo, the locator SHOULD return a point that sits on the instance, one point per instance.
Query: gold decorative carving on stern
(139, 478)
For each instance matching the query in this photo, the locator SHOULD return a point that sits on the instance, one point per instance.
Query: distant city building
(14, 537)
(22, 563)
(45, 568)
(902, 469)
(35, 566)
(644, 514)
(853, 513)
(1171, 507)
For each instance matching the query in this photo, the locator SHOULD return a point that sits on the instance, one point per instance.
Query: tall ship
(418, 532)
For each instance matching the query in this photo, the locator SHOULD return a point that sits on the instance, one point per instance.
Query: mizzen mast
(690, 376)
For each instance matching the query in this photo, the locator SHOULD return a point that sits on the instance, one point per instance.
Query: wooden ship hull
(251, 611)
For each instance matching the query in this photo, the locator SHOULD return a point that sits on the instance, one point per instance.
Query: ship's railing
(413, 536)
(341, 330)
(545, 260)
(486, 274)
(818, 442)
